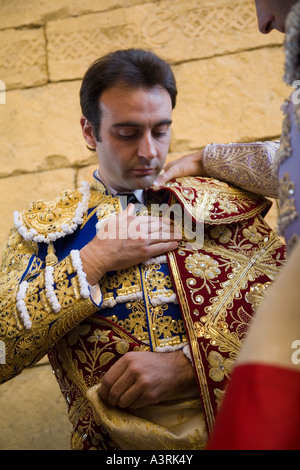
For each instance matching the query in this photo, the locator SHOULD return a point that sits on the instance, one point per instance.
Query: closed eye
(128, 130)
(128, 133)
(162, 130)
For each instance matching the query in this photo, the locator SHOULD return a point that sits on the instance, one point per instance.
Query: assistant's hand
(125, 240)
(142, 378)
(189, 165)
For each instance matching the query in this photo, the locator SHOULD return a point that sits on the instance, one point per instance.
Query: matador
(196, 300)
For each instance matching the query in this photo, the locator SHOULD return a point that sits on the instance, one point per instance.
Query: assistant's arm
(249, 166)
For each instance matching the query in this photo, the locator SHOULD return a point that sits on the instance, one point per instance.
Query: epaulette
(212, 201)
(48, 221)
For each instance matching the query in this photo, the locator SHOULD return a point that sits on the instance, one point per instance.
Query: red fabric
(260, 411)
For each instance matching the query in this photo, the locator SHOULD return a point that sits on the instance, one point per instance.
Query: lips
(144, 171)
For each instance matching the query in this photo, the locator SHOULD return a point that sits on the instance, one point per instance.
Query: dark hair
(134, 68)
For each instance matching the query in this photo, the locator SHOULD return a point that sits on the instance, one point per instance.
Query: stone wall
(230, 89)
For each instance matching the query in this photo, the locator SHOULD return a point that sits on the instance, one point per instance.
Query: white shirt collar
(139, 193)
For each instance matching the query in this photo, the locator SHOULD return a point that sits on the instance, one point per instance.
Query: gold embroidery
(256, 294)
(214, 202)
(136, 323)
(238, 263)
(220, 367)
(203, 266)
(221, 232)
(50, 216)
(247, 165)
(101, 203)
(25, 347)
(94, 348)
(146, 292)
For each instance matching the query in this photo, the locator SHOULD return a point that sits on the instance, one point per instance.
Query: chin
(145, 182)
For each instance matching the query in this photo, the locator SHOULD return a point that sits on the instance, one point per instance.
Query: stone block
(33, 413)
(23, 58)
(233, 98)
(19, 191)
(86, 174)
(178, 31)
(40, 129)
(15, 13)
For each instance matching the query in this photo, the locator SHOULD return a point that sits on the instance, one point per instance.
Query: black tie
(130, 198)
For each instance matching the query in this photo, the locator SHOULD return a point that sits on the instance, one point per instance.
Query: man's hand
(189, 165)
(142, 378)
(125, 240)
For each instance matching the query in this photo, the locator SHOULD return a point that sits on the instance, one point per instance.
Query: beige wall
(230, 90)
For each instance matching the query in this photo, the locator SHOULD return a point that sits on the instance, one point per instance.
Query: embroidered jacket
(201, 296)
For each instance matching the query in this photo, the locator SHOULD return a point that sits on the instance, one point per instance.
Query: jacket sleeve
(39, 303)
(249, 166)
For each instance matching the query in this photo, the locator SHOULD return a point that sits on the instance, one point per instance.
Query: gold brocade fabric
(173, 425)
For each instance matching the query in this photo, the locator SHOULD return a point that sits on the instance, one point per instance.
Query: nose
(147, 148)
(265, 23)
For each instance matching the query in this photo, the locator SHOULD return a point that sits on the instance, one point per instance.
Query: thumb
(166, 176)
(130, 209)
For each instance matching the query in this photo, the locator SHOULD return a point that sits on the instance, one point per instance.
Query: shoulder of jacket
(215, 202)
(46, 222)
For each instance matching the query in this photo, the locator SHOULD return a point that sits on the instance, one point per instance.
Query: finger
(118, 393)
(130, 397)
(130, 209)
(156, 232)
(139, 227)
(164, 235)
(140, 401)
(158, 247)
(169, 174)
(111, 377)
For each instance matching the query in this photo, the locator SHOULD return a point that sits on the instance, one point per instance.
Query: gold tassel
(51, 258)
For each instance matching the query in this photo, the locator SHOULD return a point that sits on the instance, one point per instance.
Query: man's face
(135, 134)
(271, 14)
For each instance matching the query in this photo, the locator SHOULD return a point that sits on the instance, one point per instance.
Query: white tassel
(76, 261)
(157, 260)
(164, 299)
(50, 290)
(21, 306)
(177, 347)
(110, 303)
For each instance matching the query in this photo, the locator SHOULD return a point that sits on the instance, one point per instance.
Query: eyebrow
(135, 124)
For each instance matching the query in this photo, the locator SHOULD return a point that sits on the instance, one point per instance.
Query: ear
(88, 132)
